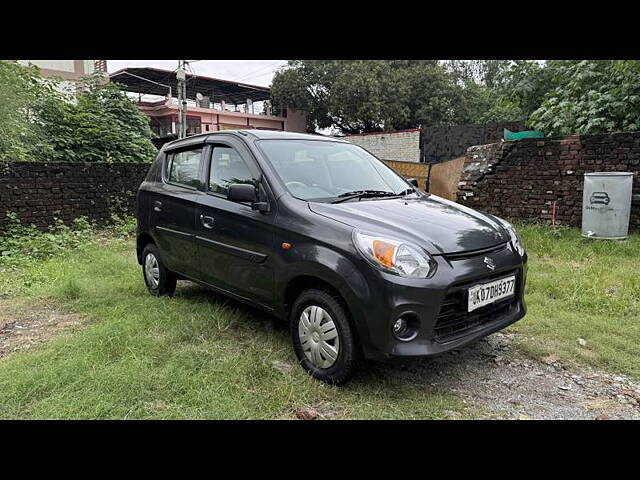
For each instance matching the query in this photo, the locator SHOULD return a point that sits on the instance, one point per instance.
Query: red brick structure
(522, 179)
(39, 192)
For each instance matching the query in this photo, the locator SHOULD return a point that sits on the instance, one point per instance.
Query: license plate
(481, 295)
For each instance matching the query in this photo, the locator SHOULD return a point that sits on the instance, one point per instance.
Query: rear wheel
(323, 338)
(158, 279)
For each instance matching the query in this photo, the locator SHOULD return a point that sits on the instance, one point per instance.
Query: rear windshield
(322, 171)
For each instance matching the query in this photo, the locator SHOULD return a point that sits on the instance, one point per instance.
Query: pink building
(212, 104)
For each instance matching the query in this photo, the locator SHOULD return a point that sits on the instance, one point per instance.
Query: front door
(235, 242)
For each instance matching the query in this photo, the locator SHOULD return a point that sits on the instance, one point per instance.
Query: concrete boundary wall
(400, 145)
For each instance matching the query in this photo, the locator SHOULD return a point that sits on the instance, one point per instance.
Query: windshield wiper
(343, 197)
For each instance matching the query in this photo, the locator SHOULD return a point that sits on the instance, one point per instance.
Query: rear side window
(227, 167)
(184, 168)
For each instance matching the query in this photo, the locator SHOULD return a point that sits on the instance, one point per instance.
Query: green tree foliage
(101, 124)
(369, 95)
(19, 90)
(591, 97)
(487, 73)
(514, 90)
(559, 97)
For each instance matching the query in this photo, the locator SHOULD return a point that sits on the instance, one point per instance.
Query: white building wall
(89, 67)
(403, 145)
(61, 65)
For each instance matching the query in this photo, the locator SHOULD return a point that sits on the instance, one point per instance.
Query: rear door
(235, 242)
(174, 207)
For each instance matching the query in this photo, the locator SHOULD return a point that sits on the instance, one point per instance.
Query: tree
(19, 90)
(518, 89)
(591, 96)
(38, 121)
(486, 73)
(369, 95)
(103, 125)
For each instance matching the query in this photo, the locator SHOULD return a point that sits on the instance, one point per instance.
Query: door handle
(157, 206)
(206, 221)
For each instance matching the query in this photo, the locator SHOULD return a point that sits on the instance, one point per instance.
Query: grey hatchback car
(319, 232)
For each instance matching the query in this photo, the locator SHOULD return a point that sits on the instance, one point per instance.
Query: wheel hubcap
(318, 337)
(151, 270)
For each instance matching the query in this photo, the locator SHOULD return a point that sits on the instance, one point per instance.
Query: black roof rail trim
(185, 142)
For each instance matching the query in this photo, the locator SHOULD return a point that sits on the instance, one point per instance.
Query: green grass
(196, 355)
(581, 288)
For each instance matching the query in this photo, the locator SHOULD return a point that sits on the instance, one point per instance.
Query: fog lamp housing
(405, 327)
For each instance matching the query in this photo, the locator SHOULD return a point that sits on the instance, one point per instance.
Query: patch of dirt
(322, 410)
(494, 375)
(25, 325)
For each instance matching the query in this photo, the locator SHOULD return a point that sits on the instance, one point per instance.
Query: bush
(591, 96)
(20, 243)
(39, 121)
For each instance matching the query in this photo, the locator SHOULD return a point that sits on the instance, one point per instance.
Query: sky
(253, 72)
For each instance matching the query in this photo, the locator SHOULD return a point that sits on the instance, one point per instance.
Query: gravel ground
(493, 375)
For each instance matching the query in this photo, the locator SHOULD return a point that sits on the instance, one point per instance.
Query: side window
(227, 167)
(184, 168)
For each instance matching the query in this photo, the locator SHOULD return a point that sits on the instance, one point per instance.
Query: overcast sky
(253, 72)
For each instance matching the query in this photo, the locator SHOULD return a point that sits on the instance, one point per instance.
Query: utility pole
(181, 77)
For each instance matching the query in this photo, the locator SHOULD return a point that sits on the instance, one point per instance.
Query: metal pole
(182, 99)
(179, 99)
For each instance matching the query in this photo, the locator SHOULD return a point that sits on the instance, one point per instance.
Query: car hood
(438, 225)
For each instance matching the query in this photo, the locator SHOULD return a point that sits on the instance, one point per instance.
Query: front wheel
(158, 279)
(323, 338)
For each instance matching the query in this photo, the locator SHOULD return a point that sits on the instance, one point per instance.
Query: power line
(253, 74)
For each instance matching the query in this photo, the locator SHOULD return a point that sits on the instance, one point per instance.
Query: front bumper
(440, 305)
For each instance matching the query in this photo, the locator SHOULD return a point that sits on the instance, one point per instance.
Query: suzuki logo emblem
(489, 263)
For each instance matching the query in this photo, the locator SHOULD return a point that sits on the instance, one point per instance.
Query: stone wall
(440, 144)
(38, 192)
(522, 179)
(401, 145)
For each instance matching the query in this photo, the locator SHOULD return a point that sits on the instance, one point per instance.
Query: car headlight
(516, 241)
(395, 256)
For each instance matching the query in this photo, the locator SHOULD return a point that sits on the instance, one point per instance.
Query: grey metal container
(606, 205)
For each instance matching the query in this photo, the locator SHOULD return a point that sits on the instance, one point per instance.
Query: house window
(161, 126)
(194, 125)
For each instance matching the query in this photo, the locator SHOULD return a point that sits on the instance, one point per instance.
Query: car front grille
(474, 253)
(455, 321)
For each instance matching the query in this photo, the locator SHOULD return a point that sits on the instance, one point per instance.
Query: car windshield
(324, 171)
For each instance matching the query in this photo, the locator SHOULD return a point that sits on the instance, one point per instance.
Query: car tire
(323, 337)
(159, 280)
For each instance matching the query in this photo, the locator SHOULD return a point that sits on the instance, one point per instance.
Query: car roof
(258, 134)
(279, 135)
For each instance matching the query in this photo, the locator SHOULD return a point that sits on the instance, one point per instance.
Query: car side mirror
(242, 192)
(246, 193)
(413, 182)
